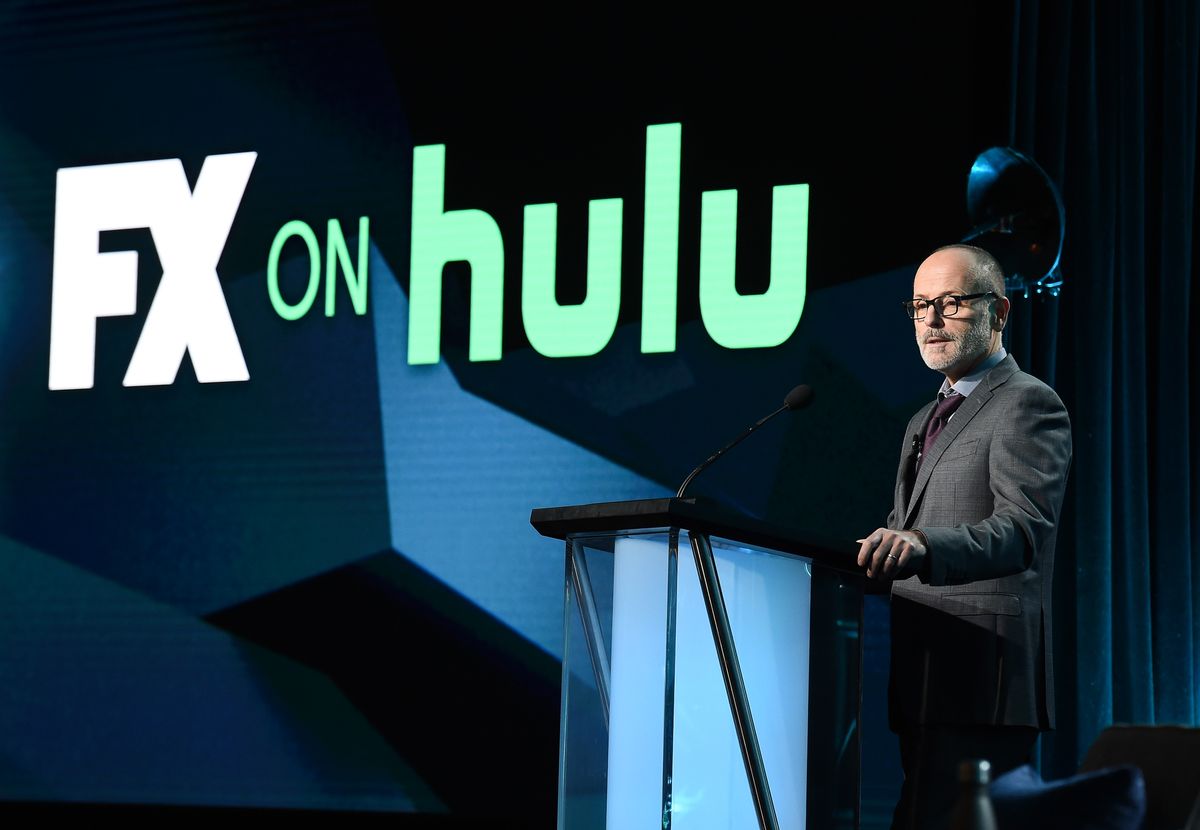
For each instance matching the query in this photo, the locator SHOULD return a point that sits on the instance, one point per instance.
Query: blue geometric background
(320, 588)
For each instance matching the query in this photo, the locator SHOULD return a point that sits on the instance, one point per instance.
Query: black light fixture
(1017, 216)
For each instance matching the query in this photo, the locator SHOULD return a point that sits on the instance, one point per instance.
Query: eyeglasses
(946, 306)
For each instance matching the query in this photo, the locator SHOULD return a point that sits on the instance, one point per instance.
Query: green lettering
(281, 306)
(660, 245)
(738, 321)
(356, 281)
(440, 236)
(571, 330)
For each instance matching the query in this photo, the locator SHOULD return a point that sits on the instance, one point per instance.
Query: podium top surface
(696, 514)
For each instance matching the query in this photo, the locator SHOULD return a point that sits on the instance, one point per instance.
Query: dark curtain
(1104, 96)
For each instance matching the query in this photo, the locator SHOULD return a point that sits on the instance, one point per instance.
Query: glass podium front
(648, 734)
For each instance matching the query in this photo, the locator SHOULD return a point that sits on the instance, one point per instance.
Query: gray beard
(972, 343)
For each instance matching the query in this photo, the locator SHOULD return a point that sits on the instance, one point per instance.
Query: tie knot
(947, 404)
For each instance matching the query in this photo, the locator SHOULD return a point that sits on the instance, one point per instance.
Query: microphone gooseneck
(797, 399)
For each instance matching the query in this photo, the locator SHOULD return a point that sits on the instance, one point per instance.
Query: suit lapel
(904, 484)
(971, 407)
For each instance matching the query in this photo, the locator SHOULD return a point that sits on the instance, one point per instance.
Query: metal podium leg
(593, 636)
(668, 780)
(735, 686)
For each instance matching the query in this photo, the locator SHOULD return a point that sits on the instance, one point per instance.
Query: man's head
(954, 344)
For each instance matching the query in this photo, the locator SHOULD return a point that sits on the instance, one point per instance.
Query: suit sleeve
(1027, 462)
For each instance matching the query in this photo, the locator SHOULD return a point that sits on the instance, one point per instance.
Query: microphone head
(799, 397)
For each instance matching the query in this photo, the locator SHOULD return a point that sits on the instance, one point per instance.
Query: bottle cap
(974, 771)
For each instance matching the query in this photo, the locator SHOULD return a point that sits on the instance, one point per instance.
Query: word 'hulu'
(733, 320)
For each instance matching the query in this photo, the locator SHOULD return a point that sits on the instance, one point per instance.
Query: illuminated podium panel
(711, 671)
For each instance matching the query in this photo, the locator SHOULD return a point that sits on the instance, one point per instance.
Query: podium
(711, 671)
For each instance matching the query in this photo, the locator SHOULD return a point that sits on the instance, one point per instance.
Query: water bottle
(973, 811)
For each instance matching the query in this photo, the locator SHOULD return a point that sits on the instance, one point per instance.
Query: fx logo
(188, 313)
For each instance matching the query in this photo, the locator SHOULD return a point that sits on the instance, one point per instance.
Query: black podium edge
(696, 514)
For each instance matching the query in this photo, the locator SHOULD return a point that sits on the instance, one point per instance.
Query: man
(969, 544)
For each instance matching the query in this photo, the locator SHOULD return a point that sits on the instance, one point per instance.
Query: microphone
(798, 398)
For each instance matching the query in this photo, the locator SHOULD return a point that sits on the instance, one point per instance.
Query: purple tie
(937, 422)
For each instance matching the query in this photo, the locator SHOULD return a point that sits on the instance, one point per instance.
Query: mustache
(929, 335)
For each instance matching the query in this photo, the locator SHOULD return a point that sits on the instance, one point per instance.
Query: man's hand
(889, 554)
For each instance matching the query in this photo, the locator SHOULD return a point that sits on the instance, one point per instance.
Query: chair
(1169, 758)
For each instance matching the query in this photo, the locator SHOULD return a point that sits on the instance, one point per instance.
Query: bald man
(969, 545)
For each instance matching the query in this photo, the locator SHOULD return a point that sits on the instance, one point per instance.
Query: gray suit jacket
(971, 636)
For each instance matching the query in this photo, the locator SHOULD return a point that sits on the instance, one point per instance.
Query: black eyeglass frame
(910, 306)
